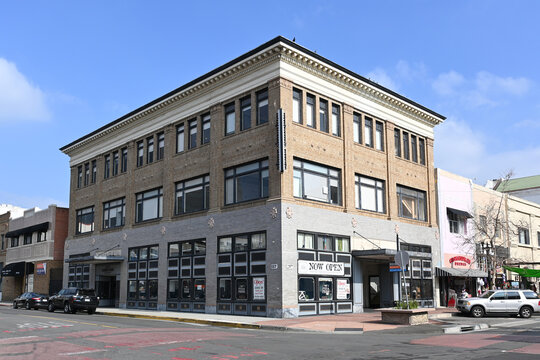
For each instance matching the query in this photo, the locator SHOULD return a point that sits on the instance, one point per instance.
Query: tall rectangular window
(140, 153)
(411, 203)
(107, 168)
(246, 182)
(114, 213)
(161, 146)
(368, 131)
(192, 140)
(115, 163)
(149, 205)
(414, 149)
(310, 110)
(316, 182)
(79, 176)
(523, 235)
(143, 264)
(406, 145)
(369, 194)
(180, 138)
(456, 222)
(357, 128)
(297, 106)
(150, 150)
(245, 113)
(86, 174)
(94, 171)
(192, 195)
(336, 120)
(206, 128)
(27, 239)
(323, 115)
(397, 142)
(84, 221)
(124, 160)
(262, 107)
(422, 148)
(230, 119)
(538, 236)
(379, 136)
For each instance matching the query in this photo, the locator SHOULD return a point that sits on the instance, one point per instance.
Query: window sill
(409, 161)
(146, 222)
(190, 214)
(372, 148)
(310, 201)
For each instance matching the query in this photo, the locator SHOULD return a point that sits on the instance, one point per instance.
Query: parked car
(522, 302)
(31, 300)
(73, 299)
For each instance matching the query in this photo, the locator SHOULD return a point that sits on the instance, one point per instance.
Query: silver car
(522, 302)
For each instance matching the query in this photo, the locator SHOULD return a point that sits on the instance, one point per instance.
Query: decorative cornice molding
(277, 52)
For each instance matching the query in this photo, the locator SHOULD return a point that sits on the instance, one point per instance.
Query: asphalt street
(29, 334)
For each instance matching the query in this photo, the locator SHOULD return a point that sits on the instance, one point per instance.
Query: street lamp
(486, 249)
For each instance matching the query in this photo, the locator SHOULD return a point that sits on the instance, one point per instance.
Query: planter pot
(405, 317)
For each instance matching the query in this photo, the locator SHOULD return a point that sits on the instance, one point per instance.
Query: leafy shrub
(413, 304)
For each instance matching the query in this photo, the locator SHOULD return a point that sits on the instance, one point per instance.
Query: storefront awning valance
(453, 272)
(386, 254)
(29, 229)
(524, 272)
(13, 269)
(459, 213)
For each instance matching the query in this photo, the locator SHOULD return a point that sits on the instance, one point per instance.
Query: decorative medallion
(93, 241)
(124, 236)
(211, 223)
(288, 212)
(163, 230)
(354, 223)
(274, 212)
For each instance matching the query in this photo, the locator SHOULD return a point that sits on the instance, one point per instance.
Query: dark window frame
(299, 165)
(262, 106)
(160, 154)
(230, 110)
(140, 200)
(180, 138)
(140, 153)
(359, 184)
(124, 159)
(297, 99)
(336, 120)
(234, 176)
(368, 132)
(245, 113)
(206, 128)
(82, 213)
(323, 115)
(107, 166)
(357, 127)
(180, 187)
(397, 142)
(192, 137)
(108, 206)
(417, 197)
(150, 149)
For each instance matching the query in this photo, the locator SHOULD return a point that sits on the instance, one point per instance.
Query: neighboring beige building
(524, 235)
(273, 185)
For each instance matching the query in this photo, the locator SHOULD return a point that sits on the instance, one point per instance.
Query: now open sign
(306, 267)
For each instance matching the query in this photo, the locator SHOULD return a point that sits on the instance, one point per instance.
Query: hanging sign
(306, 267)
(41, 268)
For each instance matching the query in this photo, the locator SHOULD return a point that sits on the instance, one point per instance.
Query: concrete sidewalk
(338, 323)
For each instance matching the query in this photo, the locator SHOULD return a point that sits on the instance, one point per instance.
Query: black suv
(73, 299)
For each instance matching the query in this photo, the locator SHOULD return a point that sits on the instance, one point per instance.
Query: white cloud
(464, 151)
(448, 83)
(528, 124)
(485, 89)
(380, 76)
(19, 99)
(410, 72)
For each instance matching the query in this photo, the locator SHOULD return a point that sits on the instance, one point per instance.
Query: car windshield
(87, 292)
(487, 294)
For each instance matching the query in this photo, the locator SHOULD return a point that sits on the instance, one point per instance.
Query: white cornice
(176, 106)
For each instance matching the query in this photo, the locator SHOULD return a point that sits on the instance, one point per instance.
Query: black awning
(13, 269)
(460, 213)
(95, 259)
(30, 229)
(453, 272)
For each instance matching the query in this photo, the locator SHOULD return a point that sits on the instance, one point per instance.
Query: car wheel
(91, 311)
(27, 305)
(15, 305)
(50, 308)
(477, 311)
(525, 312)
(67, 308)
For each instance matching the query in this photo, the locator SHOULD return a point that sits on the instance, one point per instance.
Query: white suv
(522, 302)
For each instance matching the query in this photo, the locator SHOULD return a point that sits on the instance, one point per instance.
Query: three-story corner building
(274, 185)
(35, 252)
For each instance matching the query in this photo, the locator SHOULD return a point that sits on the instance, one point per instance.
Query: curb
(465, 328)
(193, 321)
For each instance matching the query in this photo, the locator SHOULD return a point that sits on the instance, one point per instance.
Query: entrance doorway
(106, 290)
(374, 292)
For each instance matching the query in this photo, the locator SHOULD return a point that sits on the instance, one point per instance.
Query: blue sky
(69, 67)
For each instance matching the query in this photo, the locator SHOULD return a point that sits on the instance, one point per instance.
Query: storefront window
(132, 290)
(258, 241)
(186, 248)
(186, 289)
(173, 289)
(324, 243)
(133, 254)
(225, 245)
(306, 289)
(241, 243)
(142, 290)
(342, 244)
(224, 289)
(152, 289)
(200, 289)
(241, 289)
(325, 289)
(305, 241)
(200, 247)
(174, 250)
